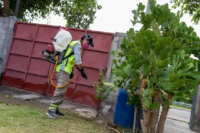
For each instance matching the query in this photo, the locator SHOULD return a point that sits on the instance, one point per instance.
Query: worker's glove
(71, 75)
(83, 74)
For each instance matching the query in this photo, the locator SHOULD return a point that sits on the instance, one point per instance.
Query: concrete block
(120, 39)
(7, 37)
(1, 42)
(2, 31)
(121, 34)
(116, 39)
(1, 49)
(1, 19)
(110, 61)
(1, 25)
(26, 97)
(6, 20)
(88, 113)
(2, 36)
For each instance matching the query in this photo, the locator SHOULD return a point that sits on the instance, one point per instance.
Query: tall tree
(189, 6)
(157, 66)
(78, 13)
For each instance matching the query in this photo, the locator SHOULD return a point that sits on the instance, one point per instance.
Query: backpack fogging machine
(60, 44)
(55, 53)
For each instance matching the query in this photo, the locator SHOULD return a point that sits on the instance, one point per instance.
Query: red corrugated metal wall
(25, 68)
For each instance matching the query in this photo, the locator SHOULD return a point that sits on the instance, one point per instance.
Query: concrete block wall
(6, 33)
(107, 107)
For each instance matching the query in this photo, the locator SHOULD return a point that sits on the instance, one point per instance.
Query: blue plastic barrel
(124, 114)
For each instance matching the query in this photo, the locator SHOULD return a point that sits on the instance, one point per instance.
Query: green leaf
(103, 97)
(194, 75)
(165, 53)
(97, 96)
(182, 54)
(164, 25)
(164, 94)
(109, 84)
(120, 73)
(179, 83)
(154, 106)
(110, 90)
(187, 41)
(141, 7)
(167, 86)
(145, 92)
(128, 70)
(152, 4)
(157, 72)
(115, 62)
(124, 64)
(146, 102)
(113, 52)
(99, 80)
(179, 93)
(191, 82)
(171, 76)
(134, 11)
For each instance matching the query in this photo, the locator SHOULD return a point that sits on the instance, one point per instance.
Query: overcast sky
(115, 16)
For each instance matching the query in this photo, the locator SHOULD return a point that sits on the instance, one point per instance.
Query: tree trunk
(154, 113)
(163, 116)
(146, 112)
(6, 10)
(162, 120)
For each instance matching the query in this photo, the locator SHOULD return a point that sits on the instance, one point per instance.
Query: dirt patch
(7, 98)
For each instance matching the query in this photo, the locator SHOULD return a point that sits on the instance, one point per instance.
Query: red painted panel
(102, 42)
(21, 47)
(13, 78)
(76, 34)
(45, 33)
(26, 31)
(37, 49)
(17, 62)
(92, 74)
(85, 95)
(70, 91)
(39, 67)
(36, 83)
(94, 59)
(51, 88)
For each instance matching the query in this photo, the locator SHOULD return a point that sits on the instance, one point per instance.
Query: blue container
(124, 114)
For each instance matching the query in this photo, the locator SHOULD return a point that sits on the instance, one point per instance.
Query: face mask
(84, 46)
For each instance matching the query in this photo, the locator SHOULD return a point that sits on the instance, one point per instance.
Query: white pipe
(134, 121)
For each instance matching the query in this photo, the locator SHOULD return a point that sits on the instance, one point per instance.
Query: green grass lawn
(20, 119)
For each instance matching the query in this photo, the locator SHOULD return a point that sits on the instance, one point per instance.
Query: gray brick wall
(107, 107)
(6, 33)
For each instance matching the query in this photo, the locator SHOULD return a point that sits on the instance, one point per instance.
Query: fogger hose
(51, 78)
